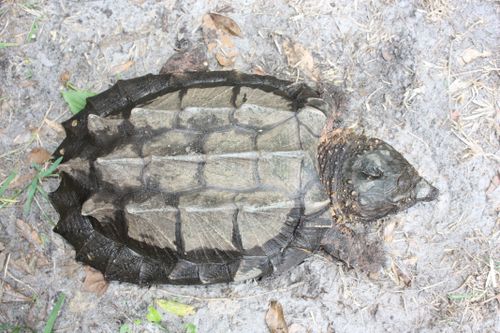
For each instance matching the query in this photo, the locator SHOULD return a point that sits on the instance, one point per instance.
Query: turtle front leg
(355, 249)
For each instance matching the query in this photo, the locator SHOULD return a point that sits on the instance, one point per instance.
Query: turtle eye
(371, 171)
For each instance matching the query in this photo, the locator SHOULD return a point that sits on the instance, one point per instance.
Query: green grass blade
(30, 195)
(6, 182)
(33, 31)
(52, 168)
(4, 45)
(54, 313)
(37, 167)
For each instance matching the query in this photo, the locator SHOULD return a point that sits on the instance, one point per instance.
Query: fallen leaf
(259, 70)
(211, 46)
(403, 279)
(226, 23)
(153, 315)
(218, 39)
(39, 156)
(469, 55)
(54, 125)
(190, 60)
(495, 182)
(64, 78)
(176, 308)
(94, 281)
(227, 42)
(30, 234)
(223, 60)
(275, 319)
(210, 33)
(455, 115)
(299, 57)
(387, 54)
(122, 67)
(389, 231)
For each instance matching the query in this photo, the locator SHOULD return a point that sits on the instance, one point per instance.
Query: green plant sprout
(76, 98)
(36, 184)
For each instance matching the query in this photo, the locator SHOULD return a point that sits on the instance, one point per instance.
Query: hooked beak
(425, 191)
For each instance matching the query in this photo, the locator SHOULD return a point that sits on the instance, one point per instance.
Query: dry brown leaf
(211, 46)
(94, 281)
(209, 32)
(469, 55)
(275, 318)
(495, 182)
(217, 37)
(259, 70)
(226, 23)
(30, 234)
(223, 60)
(64, 78)
(403, 279)
(191, 60)
(299, 57)
(226, 41)
(122, 67)
(39, 155)
(387, 54)
(54, 125)
(455, 115)
(389, 231)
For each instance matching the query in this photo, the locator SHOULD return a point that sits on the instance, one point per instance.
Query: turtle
(220, 176)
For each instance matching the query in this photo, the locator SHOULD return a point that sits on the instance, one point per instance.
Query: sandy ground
(422, 75)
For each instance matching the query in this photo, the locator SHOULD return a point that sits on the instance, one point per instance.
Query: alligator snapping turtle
(207, 177)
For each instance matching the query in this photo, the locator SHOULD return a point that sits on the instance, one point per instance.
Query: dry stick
(23, 283)
(4, 276)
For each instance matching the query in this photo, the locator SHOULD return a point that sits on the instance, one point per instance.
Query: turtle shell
(192, 178)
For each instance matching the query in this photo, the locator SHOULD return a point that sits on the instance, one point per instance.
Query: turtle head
(367, 178)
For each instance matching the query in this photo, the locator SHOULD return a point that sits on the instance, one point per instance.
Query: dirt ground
(422, 75)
